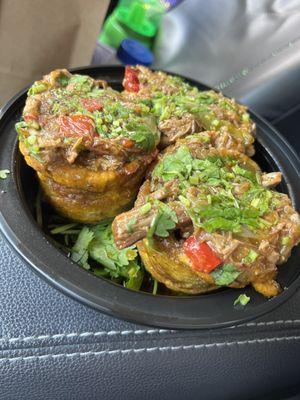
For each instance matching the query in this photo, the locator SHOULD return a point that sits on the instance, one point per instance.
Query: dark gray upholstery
(52, 347)
(55, 348)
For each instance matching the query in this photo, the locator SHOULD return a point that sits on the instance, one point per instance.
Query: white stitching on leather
(151, 349)
(86, 334)
(268, 323)
(132, 332)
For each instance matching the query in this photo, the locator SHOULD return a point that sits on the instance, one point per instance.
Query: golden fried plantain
(90, 150)
(208, 218)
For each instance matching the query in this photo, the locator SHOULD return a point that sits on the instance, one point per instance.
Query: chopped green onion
(31, 139)
(258, 177)
(130, 225)
(251, 257)
(242, 300)
(245, 117)
(194, 180)
(4, 173)
(145, 208)
(63, 229)
(135, 282)
(186, 202)
(155, 285)
(225, 275)
(215, 122)
(286, 240)
(37, 87)
(255, 202)
(152, 227)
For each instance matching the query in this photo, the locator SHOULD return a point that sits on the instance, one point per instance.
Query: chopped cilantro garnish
(216, 207)
(164, 220)
(80, 250)
(225, 217)
(141, 133)
(244, 172)
(63, 80)
(95, 249)
(177, 165)
(103, 249)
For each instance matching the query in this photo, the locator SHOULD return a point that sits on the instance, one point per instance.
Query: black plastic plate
(212, 310)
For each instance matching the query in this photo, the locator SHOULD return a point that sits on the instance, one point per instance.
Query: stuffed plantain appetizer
(182, 109)
(207, 218)
(89, 148)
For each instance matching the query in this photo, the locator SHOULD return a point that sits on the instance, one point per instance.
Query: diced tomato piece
(131, 81)
(92, 104)
(76, 125)
(30, 117)
(202, 256)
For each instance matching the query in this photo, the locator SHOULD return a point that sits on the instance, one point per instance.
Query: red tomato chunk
(202, 256)
(76, 125)
(131, 80)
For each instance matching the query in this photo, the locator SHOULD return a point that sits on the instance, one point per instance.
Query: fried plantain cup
(183, 110)
(89, 149)
(111, 194)
(208, 218)
(168, 265)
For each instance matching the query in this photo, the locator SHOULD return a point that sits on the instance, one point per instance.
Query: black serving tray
(17, 194)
